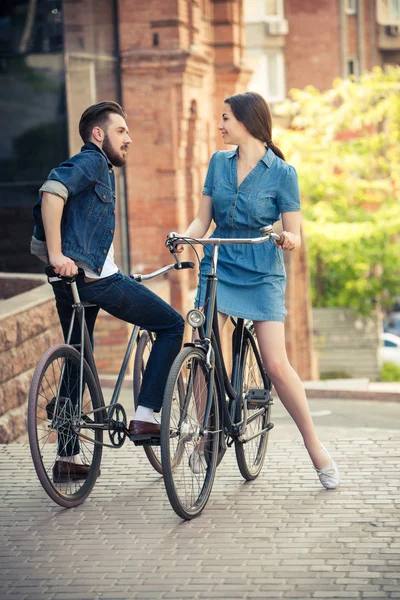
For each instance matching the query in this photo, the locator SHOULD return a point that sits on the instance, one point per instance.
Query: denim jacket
(88, 220)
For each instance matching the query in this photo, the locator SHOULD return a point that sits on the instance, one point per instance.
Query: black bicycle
(204, 410)
(66, 410)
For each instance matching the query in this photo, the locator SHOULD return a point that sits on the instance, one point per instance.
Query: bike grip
(50, 272)
(186, 264)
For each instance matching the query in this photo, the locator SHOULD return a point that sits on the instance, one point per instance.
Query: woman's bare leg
(271, 339)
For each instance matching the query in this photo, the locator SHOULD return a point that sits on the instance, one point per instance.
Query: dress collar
(268, 158)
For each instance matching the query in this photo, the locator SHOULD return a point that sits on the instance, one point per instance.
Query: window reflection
(33, 118)
(56, 58)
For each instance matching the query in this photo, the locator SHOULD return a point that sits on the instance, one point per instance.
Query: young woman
(244, 190)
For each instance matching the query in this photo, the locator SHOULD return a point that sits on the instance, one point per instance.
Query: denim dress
(251, 277)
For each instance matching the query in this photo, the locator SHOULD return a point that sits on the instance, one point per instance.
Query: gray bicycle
(67, 414)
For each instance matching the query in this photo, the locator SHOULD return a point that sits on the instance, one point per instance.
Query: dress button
(105, 196)
(99, 270)
(112, 230)
(110, 171)
(104, 251)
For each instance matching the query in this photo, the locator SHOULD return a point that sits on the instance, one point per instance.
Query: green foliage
(390, 372)
(345, 144)
(334, 375)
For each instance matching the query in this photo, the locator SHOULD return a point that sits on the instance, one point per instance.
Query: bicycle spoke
(55, 428)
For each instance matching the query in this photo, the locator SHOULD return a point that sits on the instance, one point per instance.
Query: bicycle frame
(85, 346)
(209, 332)
(210, 342)
(86, 350)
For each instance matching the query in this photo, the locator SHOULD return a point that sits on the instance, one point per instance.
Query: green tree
(345, 144)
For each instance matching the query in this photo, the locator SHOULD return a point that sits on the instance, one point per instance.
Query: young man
(74, 227)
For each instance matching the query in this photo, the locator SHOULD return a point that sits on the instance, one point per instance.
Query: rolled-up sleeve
(288, 193)
(55, 187)
(208, 184)
(38, 248)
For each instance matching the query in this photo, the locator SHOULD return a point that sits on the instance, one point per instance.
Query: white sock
(76, 459)
(143, 413)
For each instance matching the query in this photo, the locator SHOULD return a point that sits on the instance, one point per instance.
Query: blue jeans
(130, 301)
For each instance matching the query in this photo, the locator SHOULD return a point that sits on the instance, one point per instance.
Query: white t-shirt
(109, 267)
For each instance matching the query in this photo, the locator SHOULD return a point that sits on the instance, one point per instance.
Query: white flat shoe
(197, 462)
(329, 476)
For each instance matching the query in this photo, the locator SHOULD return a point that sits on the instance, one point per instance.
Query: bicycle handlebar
(178, 266)
(53, 276)
(267, 233)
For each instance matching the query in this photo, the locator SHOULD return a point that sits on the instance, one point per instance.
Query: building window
(351, 7)
(275, 77)
(353, 67)
(263, 10)
(394, 10)
(271, 9)
(388, 12)
(268, 75)
(33, 119)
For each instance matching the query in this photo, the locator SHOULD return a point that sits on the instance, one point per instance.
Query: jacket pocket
(103, 192)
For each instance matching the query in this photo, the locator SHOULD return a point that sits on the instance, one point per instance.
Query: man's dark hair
(97, 115)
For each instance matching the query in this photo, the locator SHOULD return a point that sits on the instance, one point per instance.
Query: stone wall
(346, 345)
(28, 326)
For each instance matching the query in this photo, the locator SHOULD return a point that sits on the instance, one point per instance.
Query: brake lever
(170, 244)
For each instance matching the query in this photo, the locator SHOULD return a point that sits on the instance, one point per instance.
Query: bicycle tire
(180, 424)
(250, 456)
(143, 350)
(52, 424)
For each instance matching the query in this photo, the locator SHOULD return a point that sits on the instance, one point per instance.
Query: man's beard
(115, 159)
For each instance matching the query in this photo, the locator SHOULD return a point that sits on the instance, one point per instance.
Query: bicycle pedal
(258, 398)
(147, 442)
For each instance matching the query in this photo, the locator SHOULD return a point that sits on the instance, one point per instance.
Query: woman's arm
(200, 225)
(291, 231)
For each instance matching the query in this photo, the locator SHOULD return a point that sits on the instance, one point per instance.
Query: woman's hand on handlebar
(63, 265)
(289, 241)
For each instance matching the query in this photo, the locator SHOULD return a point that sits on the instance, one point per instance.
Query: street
(281, 536)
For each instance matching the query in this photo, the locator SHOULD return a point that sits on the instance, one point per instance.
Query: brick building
(171, 63)
(294, 43)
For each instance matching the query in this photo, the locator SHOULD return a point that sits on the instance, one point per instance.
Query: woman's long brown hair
(252, 110)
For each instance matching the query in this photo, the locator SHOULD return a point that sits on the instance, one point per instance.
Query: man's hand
(63, 265)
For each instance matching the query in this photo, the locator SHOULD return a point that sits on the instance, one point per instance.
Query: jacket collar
(91, 146)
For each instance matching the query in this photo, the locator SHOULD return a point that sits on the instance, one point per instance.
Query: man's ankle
(144, 413)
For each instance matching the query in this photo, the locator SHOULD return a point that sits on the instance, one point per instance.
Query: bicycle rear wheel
(143, 350)
(250, 455)
(188, 480)
(57, 429)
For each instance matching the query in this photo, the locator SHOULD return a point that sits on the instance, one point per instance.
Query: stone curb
(353, 395)
(108, 381)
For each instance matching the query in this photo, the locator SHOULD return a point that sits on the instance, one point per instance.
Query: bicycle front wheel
(61, 435)
(250, 454)
(144, 347)
(189, 451)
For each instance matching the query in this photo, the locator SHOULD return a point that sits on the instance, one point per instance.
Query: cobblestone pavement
(281, 536)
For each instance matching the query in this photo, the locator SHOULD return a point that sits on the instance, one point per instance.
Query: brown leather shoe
(143, 428)
(66, 471)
